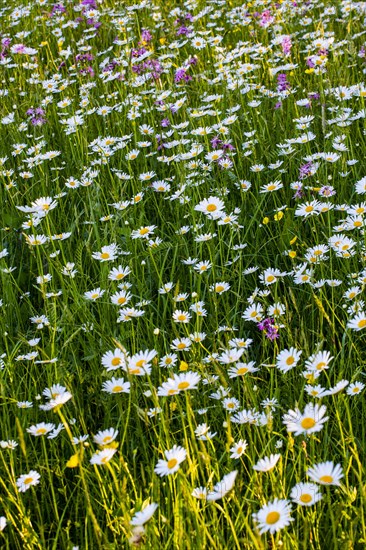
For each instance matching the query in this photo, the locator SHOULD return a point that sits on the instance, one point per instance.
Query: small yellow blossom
(183, 366)
(73, 461)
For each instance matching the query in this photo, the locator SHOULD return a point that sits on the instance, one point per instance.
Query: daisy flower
(94, 294)
(212, 207)
(316, 391)
(180, 382)
(113, 360)
(143, 232)
(270, 276)
(203, 432)
(273, 516)
(238, 449)
(174, 457)
(40, 429)
(318, 361)
(108, 253)
(241, 369)
(287, 359)
(27, 480)
(267, 463)
(358, 322)
(202, 267)
(168, 360)
(231, 356)
(181, 344)
(105, 437)
(305, 494)
(103, 456)
(355, 388)
(270, 187)
(144, 515)
(326, 473)
(119, 273)
(231, 404)
(219, 288)
(223, 487)
(121, 298)
(180, 316)
(308, 422)
(116, 385)
(338, 387)
(140, 363)
(200, 493)
(57, 401)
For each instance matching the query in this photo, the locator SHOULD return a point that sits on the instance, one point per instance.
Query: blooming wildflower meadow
(183, 274)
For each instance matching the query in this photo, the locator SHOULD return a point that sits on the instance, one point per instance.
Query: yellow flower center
(28, 480)
(104, 256)
(181, 345)
(270, 278)
(309, 208)
(172, 463)
(290, 360)
(181, 317)
(362, 323)
(140, 363)
(356, 389)
(95, 295)
(134, 371)
(183, 385)
(242, 370)
(272, 518)
(271, 187)
(121, 300)
(117, 389)
(41, 431)
(211, 207)
(306, 498)
(326, 479)
(219, 288)
(308, 423)
(116, 361)
(119, 276)
(320, 366)
(144, 230)
(106, 439)
(230, 405)
(239, 450)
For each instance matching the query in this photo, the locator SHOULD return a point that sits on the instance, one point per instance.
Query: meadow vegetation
(183, 272)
